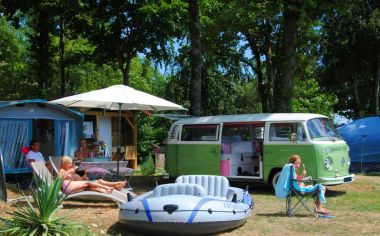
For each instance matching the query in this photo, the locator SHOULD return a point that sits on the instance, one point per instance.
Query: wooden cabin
(102, 125)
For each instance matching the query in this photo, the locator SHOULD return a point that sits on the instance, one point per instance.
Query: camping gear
(363, 138)
(118, 97)
(287, 187)
(57, 129)
(197, 204)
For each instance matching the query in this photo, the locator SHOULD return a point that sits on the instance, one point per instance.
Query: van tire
(275, 173)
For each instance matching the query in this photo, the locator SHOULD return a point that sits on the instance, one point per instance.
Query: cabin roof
(263, 117)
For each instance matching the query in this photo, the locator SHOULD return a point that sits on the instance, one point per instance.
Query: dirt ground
(356, 206)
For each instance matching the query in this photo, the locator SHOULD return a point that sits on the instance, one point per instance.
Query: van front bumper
(336, 180)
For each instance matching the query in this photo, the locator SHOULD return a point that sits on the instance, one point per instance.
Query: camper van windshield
(322, 129)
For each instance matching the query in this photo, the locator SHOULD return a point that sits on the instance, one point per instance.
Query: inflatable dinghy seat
(215, 186)
(179, 189)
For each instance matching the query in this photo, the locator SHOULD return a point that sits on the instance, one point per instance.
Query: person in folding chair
(291, 183)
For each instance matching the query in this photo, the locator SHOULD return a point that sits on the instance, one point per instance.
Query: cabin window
(284, 131)
(200, 133)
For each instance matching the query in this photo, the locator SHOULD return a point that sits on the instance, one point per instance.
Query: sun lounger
(56, 163)
(42, 172)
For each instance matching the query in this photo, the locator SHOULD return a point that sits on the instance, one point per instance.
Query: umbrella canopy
(118, 97)
(110, 98)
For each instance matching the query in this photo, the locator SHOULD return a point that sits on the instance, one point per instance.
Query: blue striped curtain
(13, 136)
(62, 135)
(65, 141)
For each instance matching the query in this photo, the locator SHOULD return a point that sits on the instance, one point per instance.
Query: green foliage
(147, 167)
(351, 58)
(309, 97)
(14, 78)
(152, 130)
(42, 218)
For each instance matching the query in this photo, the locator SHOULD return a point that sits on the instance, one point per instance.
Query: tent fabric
(363, 138)
(13, 136)
(16, 127)
(110, 98)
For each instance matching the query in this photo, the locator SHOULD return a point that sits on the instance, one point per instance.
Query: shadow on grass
(284, 215)
(120, 229)
(80, 205)
(263, 189)
(334, 193)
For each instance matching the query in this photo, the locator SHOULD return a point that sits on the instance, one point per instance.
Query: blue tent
(56, 127)
(363, 138)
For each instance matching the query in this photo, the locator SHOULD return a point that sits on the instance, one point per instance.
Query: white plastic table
(108, 165)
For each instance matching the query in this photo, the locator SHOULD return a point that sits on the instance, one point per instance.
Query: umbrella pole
(119, 144)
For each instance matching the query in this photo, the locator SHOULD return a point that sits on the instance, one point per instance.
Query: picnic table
(108, 165)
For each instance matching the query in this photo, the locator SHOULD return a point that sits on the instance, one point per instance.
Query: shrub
(39, 218)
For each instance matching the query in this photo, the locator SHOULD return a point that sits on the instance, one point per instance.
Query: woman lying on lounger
(296, 161)
(73, 183)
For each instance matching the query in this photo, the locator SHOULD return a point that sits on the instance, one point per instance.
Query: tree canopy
(212, 56)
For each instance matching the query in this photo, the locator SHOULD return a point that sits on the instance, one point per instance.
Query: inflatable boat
(192, 205)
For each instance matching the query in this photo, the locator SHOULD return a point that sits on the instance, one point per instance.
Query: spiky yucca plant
(41, 217)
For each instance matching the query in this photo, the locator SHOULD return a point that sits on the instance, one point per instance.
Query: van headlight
(328, 162)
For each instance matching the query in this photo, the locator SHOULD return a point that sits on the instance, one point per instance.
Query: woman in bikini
(73, 183)
(296, 161)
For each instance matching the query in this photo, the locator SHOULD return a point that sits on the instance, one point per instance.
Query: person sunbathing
(296, 161)
(74, 183)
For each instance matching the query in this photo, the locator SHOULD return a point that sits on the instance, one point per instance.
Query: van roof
(250, 118)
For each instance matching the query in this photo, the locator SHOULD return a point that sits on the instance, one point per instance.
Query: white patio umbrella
(118, 97)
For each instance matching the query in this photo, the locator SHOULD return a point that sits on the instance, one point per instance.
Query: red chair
(25, 150)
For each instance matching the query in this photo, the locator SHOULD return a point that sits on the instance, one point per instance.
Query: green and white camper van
(254, 147)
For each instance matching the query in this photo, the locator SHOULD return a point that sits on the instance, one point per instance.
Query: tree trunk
(196, 58)
(42, 52)
(358, 111)
(62, 53)
(259, 72)
(125, 67)
(284, 89)
(269, 67)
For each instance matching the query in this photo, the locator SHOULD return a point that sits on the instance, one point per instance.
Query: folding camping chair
(288, 187)
(301, 196)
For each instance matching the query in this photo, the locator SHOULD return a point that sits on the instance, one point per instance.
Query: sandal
(321, 212)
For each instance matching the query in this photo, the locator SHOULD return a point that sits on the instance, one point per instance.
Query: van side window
(200, 133)
(283, 131)
(236, 133)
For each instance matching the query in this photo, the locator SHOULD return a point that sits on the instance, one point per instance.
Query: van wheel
(275, 178)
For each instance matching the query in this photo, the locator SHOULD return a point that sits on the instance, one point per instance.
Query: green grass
(356, 207)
